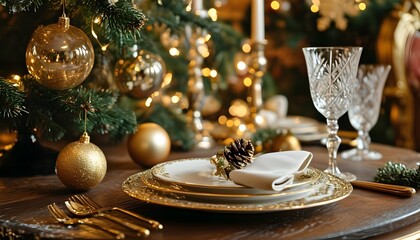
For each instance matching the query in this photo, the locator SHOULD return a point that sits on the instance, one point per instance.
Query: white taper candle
(197, 5)
(257, 21)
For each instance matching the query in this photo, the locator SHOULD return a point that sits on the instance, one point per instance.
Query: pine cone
(239, 153)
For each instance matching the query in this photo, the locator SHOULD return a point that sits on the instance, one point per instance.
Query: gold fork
(83, 211)
(83, 199)
(62, 217)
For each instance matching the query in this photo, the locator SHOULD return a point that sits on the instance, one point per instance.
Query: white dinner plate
(198, 174)
(329, 189)
(216, 196)
(299, 124)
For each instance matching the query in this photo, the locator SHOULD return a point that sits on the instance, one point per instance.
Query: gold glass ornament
(59, 56)
(16, 81)
(140, 75)
(285, 142)
(102, 73)
(150, 144)
(81, 165)
(7, 139)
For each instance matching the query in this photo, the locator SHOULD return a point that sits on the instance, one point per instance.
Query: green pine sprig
(12, 102)
(399, 174)
(263, 135)
(14, 6)
(120, 23)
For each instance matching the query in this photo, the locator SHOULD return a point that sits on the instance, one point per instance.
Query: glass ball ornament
(140, 75)
(59, 56)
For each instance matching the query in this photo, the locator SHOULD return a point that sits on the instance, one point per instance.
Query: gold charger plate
(330, 189)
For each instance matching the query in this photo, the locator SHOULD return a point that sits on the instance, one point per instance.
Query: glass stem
(363, 141)
(333, 142)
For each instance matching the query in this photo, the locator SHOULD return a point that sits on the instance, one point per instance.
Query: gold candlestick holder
(195, 91)
(257, 69)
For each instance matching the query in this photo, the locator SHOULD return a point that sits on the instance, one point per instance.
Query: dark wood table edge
(384, 228)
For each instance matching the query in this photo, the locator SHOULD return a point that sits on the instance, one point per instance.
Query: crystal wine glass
(332, 72)
(364, 111)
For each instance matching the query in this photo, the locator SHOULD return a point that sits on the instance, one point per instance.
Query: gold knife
(401, 191)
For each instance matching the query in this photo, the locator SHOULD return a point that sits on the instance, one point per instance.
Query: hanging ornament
(7, 139)
(150, 145)
(81, 165)
(59, 55)
(102, 73)
(140, 75)
(16, 81)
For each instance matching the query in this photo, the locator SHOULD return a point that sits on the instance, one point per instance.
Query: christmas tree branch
(57, 113)
(119, 21)
(12, 104)
(399, 174)
(14, 6)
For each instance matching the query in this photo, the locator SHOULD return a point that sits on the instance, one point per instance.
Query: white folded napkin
(272, 171)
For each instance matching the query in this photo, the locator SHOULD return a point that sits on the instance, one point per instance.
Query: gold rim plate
(330, 189)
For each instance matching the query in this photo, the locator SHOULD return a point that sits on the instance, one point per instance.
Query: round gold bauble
(7, 139)
(140, 75)
(150, 145)
(285, 142)
(81, 165)
(59, 56)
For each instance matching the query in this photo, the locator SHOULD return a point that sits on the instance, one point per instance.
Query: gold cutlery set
(86, 211)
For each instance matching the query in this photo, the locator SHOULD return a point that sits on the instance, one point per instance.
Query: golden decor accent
(81, 165)
(393, 44)
(150, 145)
(285, 142)
(257, 70)
(140, 74)
(330, 189)
(195, 92)
(60, 56)
(7, 140)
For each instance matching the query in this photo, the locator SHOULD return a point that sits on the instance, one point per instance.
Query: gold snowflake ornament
(335, 10)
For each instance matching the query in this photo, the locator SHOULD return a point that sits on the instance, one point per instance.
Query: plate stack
(191, 184)
(304, 128)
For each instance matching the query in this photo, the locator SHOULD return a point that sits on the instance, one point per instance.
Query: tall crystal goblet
(332, 72)
(364, 111)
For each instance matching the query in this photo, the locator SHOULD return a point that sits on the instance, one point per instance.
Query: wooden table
(363, 214)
